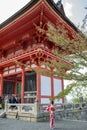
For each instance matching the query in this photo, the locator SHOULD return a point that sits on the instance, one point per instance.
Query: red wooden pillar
(1, 83)
(22, 86)
(38, 87)
(15, 87)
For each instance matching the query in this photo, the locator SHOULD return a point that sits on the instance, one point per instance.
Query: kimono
(51, 109)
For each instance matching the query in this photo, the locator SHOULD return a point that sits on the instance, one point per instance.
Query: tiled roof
(59, 11)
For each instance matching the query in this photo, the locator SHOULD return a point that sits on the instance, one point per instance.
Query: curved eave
(28, 55)
(30, 5)
(55, 8)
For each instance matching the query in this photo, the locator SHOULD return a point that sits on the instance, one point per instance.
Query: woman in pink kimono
(51, 109)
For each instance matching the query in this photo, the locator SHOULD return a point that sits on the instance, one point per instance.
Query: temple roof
(55, 7)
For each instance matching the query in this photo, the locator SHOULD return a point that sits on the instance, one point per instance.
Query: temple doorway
(13, 85)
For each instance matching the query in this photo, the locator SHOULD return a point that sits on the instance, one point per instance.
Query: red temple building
(22, 47)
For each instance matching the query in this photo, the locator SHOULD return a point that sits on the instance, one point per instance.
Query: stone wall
(37, 112)
(68, 111)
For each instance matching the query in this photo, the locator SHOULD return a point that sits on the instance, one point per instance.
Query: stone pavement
(13, 124)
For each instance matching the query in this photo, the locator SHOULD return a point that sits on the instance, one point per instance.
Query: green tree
(71, 50)
(77, 92)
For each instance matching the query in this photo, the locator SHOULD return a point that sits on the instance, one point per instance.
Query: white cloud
(68, 9)
(55, 1)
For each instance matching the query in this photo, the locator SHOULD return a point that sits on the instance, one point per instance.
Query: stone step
(2, 113)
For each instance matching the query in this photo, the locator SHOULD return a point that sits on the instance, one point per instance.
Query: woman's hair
(52, 102)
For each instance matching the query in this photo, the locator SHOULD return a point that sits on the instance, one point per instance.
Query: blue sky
(74, 9)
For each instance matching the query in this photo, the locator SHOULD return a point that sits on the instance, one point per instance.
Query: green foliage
(72, 53)
(75, 100)
(78, 89)
(64, 93)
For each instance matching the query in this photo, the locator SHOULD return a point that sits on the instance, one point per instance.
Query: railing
(29, 97)
(30, 93)
(38, 111)
(65, 106)
(23, 108)
(33, 107)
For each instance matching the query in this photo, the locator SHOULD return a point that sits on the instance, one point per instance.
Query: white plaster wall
(45, 86)
(57, 89)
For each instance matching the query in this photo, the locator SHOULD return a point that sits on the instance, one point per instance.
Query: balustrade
(38, 111)
(22, 108)
(30, 96)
